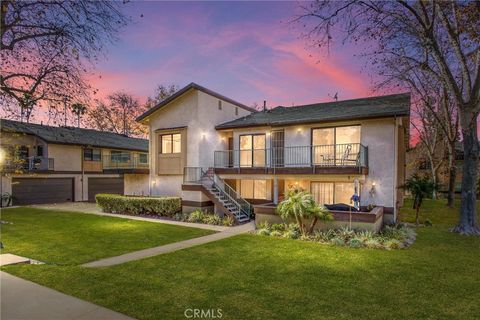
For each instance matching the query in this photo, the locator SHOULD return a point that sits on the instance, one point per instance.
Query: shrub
(373, 243)
(278, 227)
(161, 206)
(428, 223)
(392, 244)
(337, 241)
(228, 221)
(196, 216)
(355, 243)
(212, 219)
(324, 236)
(276, 233)
(264, 232)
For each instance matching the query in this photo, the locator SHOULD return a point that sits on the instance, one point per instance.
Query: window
(236, 111)
(171, 143)
(219, 104)
(252, 150)
(332, 192)
(39, 151)
(253, 189)
(336, 146)
(119, 156)
(143, 158)
(92, 154)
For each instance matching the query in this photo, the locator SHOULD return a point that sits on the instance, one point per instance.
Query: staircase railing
(196, 174)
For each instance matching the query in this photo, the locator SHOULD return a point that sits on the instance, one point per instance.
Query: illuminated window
(253, 189)
(171, 143)
(252, 150)
(330, 192)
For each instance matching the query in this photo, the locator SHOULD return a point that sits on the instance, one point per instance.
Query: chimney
(264, 105)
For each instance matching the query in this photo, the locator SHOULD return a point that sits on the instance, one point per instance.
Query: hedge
(161, 206)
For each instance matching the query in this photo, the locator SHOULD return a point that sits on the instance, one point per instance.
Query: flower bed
(390, 237)
(199, 216)
(158, 206)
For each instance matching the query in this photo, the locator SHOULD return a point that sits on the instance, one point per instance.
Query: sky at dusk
(247, 51)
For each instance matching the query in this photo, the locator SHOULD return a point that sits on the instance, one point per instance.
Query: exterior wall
(198, 112)
(385, 157)
(66, 158)
(136, 184)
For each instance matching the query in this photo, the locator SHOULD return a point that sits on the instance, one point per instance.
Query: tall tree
(440, 38)
(78, 110)
(118, 115)
(48, 46)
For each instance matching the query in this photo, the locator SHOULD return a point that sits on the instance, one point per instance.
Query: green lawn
(255, 277)
(73, 238)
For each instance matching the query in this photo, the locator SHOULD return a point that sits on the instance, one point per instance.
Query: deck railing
(125, 161)
(338, 155)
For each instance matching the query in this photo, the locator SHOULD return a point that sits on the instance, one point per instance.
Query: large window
(253, 189)
(143, 158)
(92, 154)
(120, 156)
(171, 143)
(332, 192)
(252, 150)
(336, 146)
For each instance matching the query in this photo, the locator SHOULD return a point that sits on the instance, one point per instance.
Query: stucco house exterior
(46, 164)
(216, 153)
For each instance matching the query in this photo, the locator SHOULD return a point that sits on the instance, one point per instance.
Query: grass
(73, 238)
(254, 277)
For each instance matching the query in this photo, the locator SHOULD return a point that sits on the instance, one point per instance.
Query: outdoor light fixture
(154, 182)
(299, 130)
(2, 156)
(372, 189)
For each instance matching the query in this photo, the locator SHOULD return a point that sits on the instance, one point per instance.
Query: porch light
(154, 183)
(372, 190)
(299, 129)
(268, 134)
(2, 156)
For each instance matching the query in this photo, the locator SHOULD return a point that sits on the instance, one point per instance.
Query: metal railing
(34, 163)
(338, 155)
(125, 161)
(200, 176)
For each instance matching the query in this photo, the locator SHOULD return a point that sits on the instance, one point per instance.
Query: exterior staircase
(221, 194)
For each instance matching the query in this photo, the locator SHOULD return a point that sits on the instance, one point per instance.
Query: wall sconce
(204, 135)
(299, 129)
(154, 183)
(372, 190)
(268, 134)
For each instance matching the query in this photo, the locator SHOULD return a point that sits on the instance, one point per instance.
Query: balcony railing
(29, 164)
(338, 155)
(120, 161)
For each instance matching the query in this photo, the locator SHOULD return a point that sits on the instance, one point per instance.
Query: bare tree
(438, 37)
(161, 93)
(47, 47)
(430, 135)
(118, 115)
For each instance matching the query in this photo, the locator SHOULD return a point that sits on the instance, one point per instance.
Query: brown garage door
(104, 185)
(42, 190)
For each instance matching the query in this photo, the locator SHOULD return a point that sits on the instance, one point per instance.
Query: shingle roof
(75, 136)
(186, 89)
(374, 107)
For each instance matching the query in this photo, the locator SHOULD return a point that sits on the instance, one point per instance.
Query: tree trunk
(468, 224)
(417, 214)
(434, 180)
(452, 174)
(312, 225)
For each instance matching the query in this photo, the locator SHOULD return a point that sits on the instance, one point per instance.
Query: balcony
(349, 158)
(30, 164)
(125, 163)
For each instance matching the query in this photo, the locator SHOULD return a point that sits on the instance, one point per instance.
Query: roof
(185, 90)
(75, 136)
(374, 107)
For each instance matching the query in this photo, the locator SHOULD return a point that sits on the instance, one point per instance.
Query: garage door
(42, 190)
(104, 185)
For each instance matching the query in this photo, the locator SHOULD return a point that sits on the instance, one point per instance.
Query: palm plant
(300, 205)
(419, 187)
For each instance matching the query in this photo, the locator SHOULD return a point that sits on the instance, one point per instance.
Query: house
(217, 153)
(418, 163)
(45, 164)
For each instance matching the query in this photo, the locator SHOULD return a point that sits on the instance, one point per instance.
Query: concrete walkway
(8, 258)
(88, 207)
(25, 300)
(137, 255)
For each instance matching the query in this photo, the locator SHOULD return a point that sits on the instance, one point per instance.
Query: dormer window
(171, 143)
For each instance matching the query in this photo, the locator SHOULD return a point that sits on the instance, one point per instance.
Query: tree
(439, 38)
(118, 115)
(48, 46)
(79, 110)
(161, 93)
(419, 187)
(300, 205)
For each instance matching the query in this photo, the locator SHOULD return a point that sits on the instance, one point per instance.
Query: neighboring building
(254, 157)
(417, 162)
(45, 164)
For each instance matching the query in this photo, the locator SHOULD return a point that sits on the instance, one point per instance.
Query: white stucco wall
(198, 112)
(136, 184)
